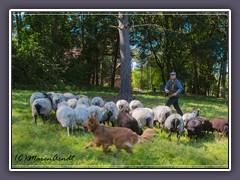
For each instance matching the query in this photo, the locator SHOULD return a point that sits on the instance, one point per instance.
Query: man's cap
(172, 73)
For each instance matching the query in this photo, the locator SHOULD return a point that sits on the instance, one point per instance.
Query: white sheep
(110, 112)
(95, 110)
(57, 98)
(79, 96)
(72, 103)
(174, 123)
(41, 107)
(69, 96)
(85, 101)
(66, 116)
(190, 116)
(135, 104)
(81, 115)
(37, 95)
(122, 103)
(161, 113)
(144, 116)
(98, 101)
(82, 106)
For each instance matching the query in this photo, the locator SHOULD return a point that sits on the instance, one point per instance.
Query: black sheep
(126, 120)
(220, 125)
(194, 129)
(206, 124)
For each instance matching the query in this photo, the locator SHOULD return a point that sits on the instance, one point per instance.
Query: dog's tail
(147, 135)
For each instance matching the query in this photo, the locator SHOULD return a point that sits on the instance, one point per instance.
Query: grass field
(45, 141)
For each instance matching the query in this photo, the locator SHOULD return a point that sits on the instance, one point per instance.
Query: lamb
(135, 104)
(81, 115)
(57, 98)
(95, 110)
(161, 113)
(194, 129)
(174, 123)
(72, 103)
(190, 116)
(110, 112)
(206, 124)
(41, 107)
(37, 95)
(79, 96)
(98, 101)
(126, 120)
(66, 116)
(69, 96)
(144, 117)
(84, 100)
(122, 103)
(220, 125)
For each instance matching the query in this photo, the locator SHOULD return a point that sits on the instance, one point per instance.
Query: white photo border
(116, 10)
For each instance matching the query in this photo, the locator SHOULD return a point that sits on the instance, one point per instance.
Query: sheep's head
(106, 114)
(97, 103)
(191, 132)
(125, 109)
(225, 130)
(50, 97)
(196, 111)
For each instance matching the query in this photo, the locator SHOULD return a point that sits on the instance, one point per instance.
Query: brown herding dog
(121, 138)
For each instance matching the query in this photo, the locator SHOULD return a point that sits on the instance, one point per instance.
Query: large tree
(125, 70)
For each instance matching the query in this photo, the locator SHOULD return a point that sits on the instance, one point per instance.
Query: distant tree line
(81, 49)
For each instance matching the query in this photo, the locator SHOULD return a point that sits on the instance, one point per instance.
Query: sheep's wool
(45, 104)
(144, 116)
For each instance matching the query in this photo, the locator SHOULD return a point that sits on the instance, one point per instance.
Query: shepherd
(173, 88)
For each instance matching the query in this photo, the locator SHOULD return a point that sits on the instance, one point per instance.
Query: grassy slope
(50, 139)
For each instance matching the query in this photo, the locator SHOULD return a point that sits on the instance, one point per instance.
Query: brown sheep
(126, 120)
(206, 124)
(194, 129)
(220, 125)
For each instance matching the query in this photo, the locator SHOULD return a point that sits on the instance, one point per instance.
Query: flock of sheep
(74, 110)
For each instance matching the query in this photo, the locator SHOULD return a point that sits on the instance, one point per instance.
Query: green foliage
(194, 46)
(46, 140)
(77, 49)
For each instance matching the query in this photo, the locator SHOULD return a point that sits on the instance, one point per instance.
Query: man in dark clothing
(173, 88)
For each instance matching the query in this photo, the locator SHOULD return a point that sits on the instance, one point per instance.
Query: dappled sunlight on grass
(49, 139)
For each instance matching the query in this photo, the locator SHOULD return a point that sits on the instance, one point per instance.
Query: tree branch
(115, 27)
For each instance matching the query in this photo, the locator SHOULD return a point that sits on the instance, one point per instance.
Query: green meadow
(47, 140)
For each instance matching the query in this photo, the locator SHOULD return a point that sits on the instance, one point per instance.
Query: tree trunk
(101, 73)
(141, 77)
(150, 83)
(115, 62)
(167, 46)
(224, 74)
(93, 78)
(18, 27)
(219, 81)
(125, 70)
(161, 65)
(97, 70)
